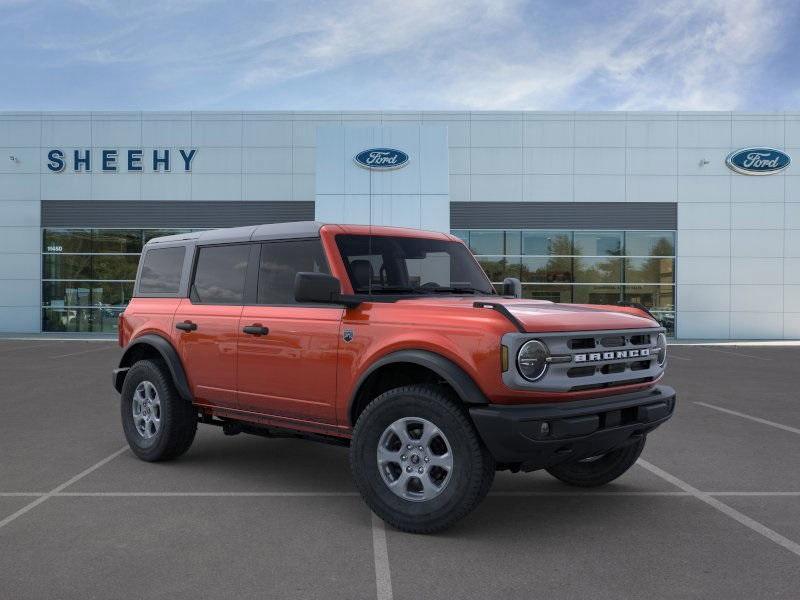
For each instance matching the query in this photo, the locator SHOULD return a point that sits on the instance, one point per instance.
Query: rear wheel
(601, 469)
(417, 459)
(158, 423)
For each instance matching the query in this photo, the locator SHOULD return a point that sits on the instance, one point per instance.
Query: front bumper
(537, 436)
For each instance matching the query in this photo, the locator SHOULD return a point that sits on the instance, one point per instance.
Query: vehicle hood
(537, 316)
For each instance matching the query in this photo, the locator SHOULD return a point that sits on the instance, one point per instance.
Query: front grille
(589, 360)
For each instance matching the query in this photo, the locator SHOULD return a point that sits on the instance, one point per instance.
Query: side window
(280, 262)
(220, 274)
(161, 271)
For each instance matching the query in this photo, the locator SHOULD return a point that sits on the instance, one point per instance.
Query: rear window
(220, 274)
(161, 270)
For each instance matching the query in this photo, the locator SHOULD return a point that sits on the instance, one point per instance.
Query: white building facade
(583, 207)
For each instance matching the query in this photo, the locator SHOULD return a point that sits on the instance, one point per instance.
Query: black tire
(602, 470)
(178, 418)
(473, 467)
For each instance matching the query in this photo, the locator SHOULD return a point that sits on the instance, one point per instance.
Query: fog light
(544, 428)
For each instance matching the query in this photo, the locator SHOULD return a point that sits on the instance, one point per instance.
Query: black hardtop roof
(273, 231)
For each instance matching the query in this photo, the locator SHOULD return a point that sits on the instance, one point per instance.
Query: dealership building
(696, 215)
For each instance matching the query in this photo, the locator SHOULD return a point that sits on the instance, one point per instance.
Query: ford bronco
(390, 341)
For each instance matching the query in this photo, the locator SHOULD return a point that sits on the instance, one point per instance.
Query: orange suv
(390, 341)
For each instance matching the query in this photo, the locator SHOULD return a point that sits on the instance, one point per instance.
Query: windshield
(407, 265)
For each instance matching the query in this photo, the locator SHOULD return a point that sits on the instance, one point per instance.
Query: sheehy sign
(134, 160)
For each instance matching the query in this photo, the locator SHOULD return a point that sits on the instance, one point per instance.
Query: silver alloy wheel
(146, 406)
(415, 459)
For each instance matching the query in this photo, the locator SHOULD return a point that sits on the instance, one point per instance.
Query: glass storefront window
(650, 243)
(117, 241)
(89, 320)
(598, 243)
(67, 240)
(593, 267)
(547, 243)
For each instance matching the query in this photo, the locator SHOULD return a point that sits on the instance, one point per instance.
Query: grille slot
(615, 341)
(612, 368)
(587, 371)
(597, 386)
(581, 344)
(643, 339)
(640, 365)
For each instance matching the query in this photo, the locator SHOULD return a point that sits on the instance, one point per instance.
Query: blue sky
(437, 54)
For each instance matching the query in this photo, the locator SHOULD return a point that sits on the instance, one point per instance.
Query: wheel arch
(409, 366)
(153, 346)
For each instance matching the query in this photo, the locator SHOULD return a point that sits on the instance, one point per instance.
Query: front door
(287, 353)
(207, 323)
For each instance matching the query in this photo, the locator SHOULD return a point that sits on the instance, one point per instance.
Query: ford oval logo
(381, 158)
(758, 161)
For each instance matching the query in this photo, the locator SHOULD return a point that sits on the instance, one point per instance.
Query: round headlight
(532, 360)
(661, 349)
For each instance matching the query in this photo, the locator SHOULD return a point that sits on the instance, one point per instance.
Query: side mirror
(512, 287)
(316, 287)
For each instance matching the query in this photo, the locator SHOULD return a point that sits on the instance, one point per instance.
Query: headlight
(532, 360)
(661, 349)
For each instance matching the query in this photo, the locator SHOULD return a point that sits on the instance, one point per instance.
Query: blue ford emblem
(758, 161)
(381, 158)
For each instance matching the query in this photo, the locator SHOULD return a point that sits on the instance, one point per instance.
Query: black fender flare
(167, 352)
(463, 385)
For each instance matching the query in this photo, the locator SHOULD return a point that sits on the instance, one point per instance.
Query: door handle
(255, 330)
(186, 326)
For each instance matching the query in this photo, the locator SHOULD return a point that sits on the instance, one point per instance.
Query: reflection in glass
(67, 240)
(487, 242)
(556, 269)
(117, 240)
(657, 297)
(553, 293)
(96, 320)
(650, 243)
(598, 243)
(547, 243)
(86, 293)
(650, 270)
(597, 294)
(598, 270)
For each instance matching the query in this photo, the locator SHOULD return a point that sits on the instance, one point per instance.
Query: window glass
(67, 266)
(553, 293)
(556, 269)
(387, 264)
(280, 262)
(81, 319)
(513, 243)
(114, 266)
(67, 240)
(220, 274)
(657, 297)
(546, 243)
(650, 243)
(597, 294)
(161, 270)
(117, 240)
(598, 243)
(498, 268)
(462, 234)
(598, 270)
(487, 242)
(649, 270)
(86, 293)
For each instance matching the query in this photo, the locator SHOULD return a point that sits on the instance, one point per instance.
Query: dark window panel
(93, 320)
(650, 243)
(556, 269)
(75, 293)
(56, 266)
(111, 266)
(598, 270)
(280, 263)
(67, 240)
(553, 293)
(547, 243)
(597, 294)
(117, 240)
(220, 273)
(161, 270)
(650, 270)
(598, 243)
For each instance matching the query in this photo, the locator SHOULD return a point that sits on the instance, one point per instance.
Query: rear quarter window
(161, 271)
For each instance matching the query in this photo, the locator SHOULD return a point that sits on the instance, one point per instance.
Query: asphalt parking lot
(711, 511)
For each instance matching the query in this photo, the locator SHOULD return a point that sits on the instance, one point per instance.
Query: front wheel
(417, 459)
(601, 469)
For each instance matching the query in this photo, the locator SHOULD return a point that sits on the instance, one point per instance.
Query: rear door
(288, 352)
(207, 323)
